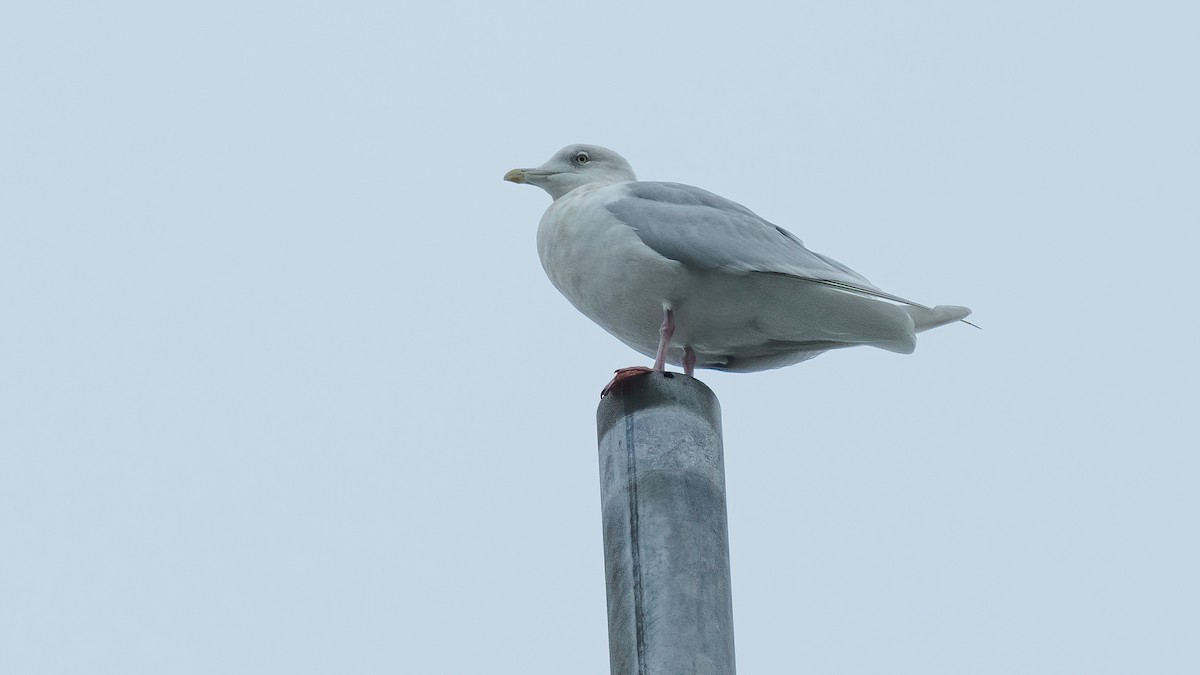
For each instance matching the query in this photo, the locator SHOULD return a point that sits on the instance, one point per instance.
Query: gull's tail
(925, 318)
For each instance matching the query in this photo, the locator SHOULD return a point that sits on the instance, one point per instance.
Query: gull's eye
(582, 158)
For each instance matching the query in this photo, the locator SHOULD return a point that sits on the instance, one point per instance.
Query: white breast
(604, 269)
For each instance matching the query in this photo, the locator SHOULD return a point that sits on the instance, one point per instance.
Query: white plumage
(648, 260)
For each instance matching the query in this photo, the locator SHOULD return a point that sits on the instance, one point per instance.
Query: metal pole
(666, 539)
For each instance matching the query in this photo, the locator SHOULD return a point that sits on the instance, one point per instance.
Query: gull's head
(573, 166)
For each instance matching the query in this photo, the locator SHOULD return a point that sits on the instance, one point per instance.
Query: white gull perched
(690, 278)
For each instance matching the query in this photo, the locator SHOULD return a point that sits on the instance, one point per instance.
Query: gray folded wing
(706, 231)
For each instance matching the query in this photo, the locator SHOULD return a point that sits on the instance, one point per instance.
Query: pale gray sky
(285, 389)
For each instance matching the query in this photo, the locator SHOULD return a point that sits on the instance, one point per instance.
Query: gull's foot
(622, 375)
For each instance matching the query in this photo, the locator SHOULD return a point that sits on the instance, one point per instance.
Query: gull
(692, 279)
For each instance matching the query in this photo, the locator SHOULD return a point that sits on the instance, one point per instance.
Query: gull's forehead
(593, 150)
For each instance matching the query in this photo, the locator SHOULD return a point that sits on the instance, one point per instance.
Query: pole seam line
(635, 545)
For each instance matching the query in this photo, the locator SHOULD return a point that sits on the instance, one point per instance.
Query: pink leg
(664, 340)
(660, 357)
(689, 362)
